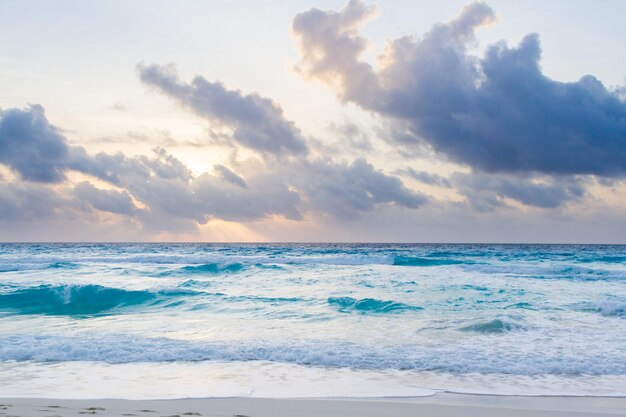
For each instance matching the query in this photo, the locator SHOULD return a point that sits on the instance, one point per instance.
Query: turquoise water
(467, 317)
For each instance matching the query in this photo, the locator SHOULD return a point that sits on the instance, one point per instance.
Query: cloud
(266, 195)
(257, 122)
(28, 201)
(486, 192)
(346, 190)
(162, 194)
(227, 175)
(321, 185)
(171, 192)
(351, 137)
(31, 146)
(112, 201)
(498, 113)
(330, 48)
(318, 187)
(38, 151)
(426, 177)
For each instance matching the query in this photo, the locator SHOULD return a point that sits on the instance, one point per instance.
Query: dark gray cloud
(112, 201)
(499, 113)
(227, 175)
(31, 146)
(486, 192)
(38, 151)
(28, 201)
(257, 122)
(346, 190)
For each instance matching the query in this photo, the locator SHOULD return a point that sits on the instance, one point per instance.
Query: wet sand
(439, 405)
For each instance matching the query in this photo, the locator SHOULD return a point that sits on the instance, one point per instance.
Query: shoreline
(442, 404)
(261, 379)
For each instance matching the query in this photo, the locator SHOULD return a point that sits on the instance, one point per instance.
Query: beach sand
(439, 405)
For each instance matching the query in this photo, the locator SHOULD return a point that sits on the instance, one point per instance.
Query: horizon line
(121, 242)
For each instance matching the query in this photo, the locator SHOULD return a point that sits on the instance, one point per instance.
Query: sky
(317, 120)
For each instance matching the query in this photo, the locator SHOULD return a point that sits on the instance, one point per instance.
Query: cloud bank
(161, 193)
(498, 113)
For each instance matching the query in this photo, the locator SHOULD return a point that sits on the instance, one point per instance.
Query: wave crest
(74, 300)
(493, 326)
(457, 358)
(610, 307)
(370, 305)
(213, 268)
(413, 261)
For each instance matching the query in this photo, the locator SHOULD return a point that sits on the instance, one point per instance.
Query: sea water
(284, 320)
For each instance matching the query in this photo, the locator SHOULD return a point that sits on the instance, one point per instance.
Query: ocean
(289, 320)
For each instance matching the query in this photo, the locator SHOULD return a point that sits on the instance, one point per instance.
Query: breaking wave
(463, 359)
(369, 305)
(493, 326)
(77, 300)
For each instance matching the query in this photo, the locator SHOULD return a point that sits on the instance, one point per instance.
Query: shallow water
(299, 319)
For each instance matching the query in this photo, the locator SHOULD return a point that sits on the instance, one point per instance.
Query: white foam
(610, 307)
(270, 380)
(471, 357)
(189, 380)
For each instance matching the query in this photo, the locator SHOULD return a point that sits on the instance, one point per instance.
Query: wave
(455, 358)
(234, 259)
(63, 265)
(370, 305)
(194, 283)
(235, 262)
(567, 272)
(521, 305)
(78, 300)
(609, 307)
(213, 268)
(605, 259)
(96, 300)
(348, 254)
(31, 264)
(199, 263)
(493, 326)
(413, 261)
(270, 300)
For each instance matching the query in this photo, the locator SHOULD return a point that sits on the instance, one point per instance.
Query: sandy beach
(439, 405)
